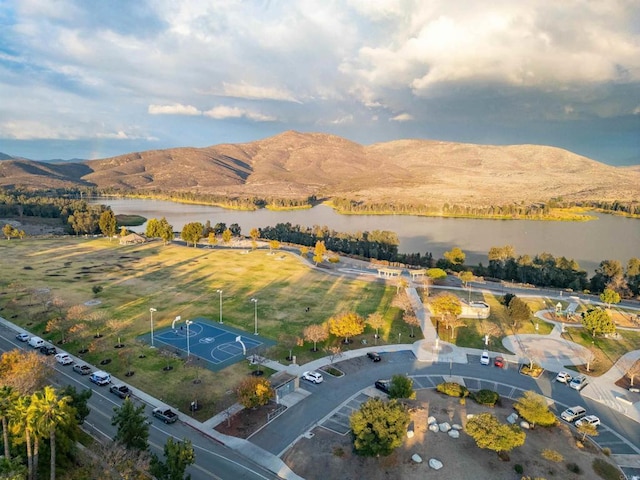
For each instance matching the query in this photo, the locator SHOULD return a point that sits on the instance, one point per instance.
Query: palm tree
(20, 424)
(49, 412)
(7, 399)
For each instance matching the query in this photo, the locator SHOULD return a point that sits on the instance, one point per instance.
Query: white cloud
(175, 109)
(403, 117)
(347, 119)
(636, 111)
(255, 92)
(223, 112)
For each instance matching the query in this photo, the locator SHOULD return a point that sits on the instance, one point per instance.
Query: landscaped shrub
(518, 468)
(552, 455)
(606, 451)
(605, 470)
(334, 259)
(453, 389)
(486, 397)
(573, 467)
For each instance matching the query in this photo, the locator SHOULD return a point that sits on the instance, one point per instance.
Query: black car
(374, 356)
(383, 385)
(48, 350)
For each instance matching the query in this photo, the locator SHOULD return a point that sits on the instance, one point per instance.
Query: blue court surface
(215, 343)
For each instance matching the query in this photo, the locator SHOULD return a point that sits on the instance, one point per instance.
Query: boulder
(410, 434)
(456, 426)
(416, 458)
(454, 433)
(431, 420)
(435, 464)
(470, 415)
(524, 425)
(444, 427)
(434, 427)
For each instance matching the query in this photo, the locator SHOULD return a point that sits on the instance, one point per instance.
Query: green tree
(534, 409)
(133, 429)
(346, 325)
(78, 400)
(455, 256)
(153, 229)
(107, 223)
(7, 398)
(379, 427)
(401, 387)
(609, 297)
(226, 236)
(254, 392)
(178, 456)
(192, 233)
(21, 424)
(490, 434)
(598, 322)
(165, 231)
(50, 413)
(518, 311)
(448, 307)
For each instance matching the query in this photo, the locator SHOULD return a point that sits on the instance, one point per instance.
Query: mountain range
(298, 165)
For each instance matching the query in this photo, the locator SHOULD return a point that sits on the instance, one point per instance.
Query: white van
(36, 342)
(100, 378)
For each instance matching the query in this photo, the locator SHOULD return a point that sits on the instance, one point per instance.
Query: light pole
(151, 310)
(220, 292)
(188, 322)
(255, 314)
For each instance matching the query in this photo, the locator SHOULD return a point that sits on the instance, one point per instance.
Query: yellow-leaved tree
(254, 392)
(346, 325)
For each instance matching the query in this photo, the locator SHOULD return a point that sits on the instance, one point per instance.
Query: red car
(499, 362)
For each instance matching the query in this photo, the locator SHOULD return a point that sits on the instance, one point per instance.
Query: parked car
(374, 356)
(23, 337)
(578, 383)
(484, 358)
(588, 420)
(573, 413)
(48, 350)
(63, 359)
(36, 342)
(165, 414)
(313, 377)
(499, 362)
(82, 369)
(100, 378)
(120, 390)
(383, 385)
(563, 377)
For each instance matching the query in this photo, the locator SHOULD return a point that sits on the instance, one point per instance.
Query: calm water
(607, 238)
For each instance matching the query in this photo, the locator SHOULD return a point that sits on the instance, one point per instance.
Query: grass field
(178, 281)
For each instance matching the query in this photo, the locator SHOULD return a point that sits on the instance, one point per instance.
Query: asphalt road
(617, 432)
(213, 460)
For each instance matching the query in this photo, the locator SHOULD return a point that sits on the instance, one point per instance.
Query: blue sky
(91, 79)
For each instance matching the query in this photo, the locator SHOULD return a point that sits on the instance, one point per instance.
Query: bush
(486, 397)
(606, 451)
(605, 469)
(552, 455)
(453, 389)
(518, 468)
(334, 259)
(573, 467)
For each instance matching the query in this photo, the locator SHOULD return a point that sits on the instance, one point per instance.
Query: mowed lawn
(183, 281)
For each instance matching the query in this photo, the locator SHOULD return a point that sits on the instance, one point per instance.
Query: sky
(93, 79)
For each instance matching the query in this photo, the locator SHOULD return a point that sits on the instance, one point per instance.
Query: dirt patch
(247, 421)
(329, 455)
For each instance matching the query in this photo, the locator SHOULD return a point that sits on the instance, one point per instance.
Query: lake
(608, 238)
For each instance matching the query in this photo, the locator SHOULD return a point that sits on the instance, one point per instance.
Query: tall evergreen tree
(133, 429)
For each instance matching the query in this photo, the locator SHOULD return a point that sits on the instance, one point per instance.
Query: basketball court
(215, 343)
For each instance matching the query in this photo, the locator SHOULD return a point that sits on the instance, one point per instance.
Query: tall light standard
(151, 310)
(255, 314)
(220, 292)
(188, 322)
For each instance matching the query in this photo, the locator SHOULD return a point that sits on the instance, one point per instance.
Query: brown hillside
(296, 164)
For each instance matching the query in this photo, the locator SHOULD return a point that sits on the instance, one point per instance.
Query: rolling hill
(297, 165)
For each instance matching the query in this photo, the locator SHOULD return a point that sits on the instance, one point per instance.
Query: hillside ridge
(298, 165)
